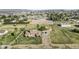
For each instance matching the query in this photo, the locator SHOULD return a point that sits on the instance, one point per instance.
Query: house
(75, 20)
(33, 33)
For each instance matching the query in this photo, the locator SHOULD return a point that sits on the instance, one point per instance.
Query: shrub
(75, 30)
(76, 25)
(12, 34)
(41, 28)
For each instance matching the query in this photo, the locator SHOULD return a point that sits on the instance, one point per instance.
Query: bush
(76, 25)
(12, 34)
(22, 29)
(75, 30)
(59, 24)
(41, 28)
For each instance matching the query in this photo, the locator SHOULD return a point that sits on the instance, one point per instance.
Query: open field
(61, 35)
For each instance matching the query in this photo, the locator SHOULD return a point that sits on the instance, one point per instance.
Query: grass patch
(63, 36)
(28, 40)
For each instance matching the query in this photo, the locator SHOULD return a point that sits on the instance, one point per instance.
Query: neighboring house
(3, 32)
(75, 20)
(66, 25)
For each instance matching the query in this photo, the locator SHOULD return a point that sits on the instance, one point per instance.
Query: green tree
(3, 17)
(41, 28)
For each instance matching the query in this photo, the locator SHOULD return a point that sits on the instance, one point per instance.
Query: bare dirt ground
(46, 39)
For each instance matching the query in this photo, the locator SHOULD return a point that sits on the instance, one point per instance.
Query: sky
(39, 4)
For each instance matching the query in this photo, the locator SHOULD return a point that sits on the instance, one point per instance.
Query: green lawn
(28, 40)
(8, 38)
(58, 35)
(63, 36)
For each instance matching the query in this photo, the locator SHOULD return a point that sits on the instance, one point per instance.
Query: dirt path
(46, 39)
